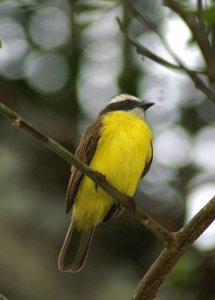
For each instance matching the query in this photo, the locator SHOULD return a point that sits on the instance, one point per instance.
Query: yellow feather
(121, 155)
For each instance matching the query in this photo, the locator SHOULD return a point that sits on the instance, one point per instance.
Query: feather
(75, 249)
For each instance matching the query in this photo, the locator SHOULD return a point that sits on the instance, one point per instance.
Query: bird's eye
(127, 102)
(126, 105)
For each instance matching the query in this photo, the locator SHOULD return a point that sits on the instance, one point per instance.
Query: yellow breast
(121, 154)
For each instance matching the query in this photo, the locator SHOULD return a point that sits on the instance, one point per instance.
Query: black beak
(145, 105)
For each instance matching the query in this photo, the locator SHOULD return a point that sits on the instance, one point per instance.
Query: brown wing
(84, 152)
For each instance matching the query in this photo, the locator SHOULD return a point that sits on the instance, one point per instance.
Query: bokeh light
(50, 27)
(11, 29)
(172, 147)
(163, 198)
(160, 173)
(46, 72)
(14, 49)
(204, 151)
(161, 117)
(178, 40)
(196, 199)
(101, 64)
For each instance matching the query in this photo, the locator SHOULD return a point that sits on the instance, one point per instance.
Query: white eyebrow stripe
(123, 97)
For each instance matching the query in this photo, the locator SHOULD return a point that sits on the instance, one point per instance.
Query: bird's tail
(75, 248)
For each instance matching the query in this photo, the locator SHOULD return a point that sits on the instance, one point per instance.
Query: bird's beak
(145, 105)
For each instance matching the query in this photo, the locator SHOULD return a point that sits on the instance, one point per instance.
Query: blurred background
(60, 62)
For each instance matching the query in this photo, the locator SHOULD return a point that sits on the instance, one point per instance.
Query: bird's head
(129, 104)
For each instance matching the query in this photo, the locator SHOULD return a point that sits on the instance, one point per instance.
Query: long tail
(75, 248)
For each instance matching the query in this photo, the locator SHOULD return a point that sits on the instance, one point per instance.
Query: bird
(118, 144)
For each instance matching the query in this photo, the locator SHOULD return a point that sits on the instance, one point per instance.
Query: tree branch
(199, 83)
(199, 11)
(98, 178)
(199, 35)
(3, 297)
(146, 52)
(184, 238)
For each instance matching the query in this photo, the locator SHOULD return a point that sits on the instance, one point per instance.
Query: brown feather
(84, 152)
(75, 249)
(115, 211)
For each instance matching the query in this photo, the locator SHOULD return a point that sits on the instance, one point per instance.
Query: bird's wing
(84, 152)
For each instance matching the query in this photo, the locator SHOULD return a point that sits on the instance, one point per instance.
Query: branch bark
(199, 83)
(98, 178)
(3, 297)
(199, 35)
(149, 285)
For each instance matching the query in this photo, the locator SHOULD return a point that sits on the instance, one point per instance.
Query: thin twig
(146, 52)
(199, 10)
(199, 83)
(147, 22)
(149, 285)
(198, 33)
(98, 178)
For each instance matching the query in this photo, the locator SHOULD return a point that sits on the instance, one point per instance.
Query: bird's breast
(123, 150)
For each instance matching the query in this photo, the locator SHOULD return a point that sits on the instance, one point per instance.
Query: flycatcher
(117, 144)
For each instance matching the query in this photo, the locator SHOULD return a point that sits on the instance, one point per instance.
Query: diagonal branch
(98, 178)
(199, 11)
(199, 35)
(199, 83)
(3, 297)
(146, 52)
(146, 21)
(184, 238)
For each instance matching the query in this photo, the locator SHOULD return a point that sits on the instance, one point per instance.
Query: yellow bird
(117, 144)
